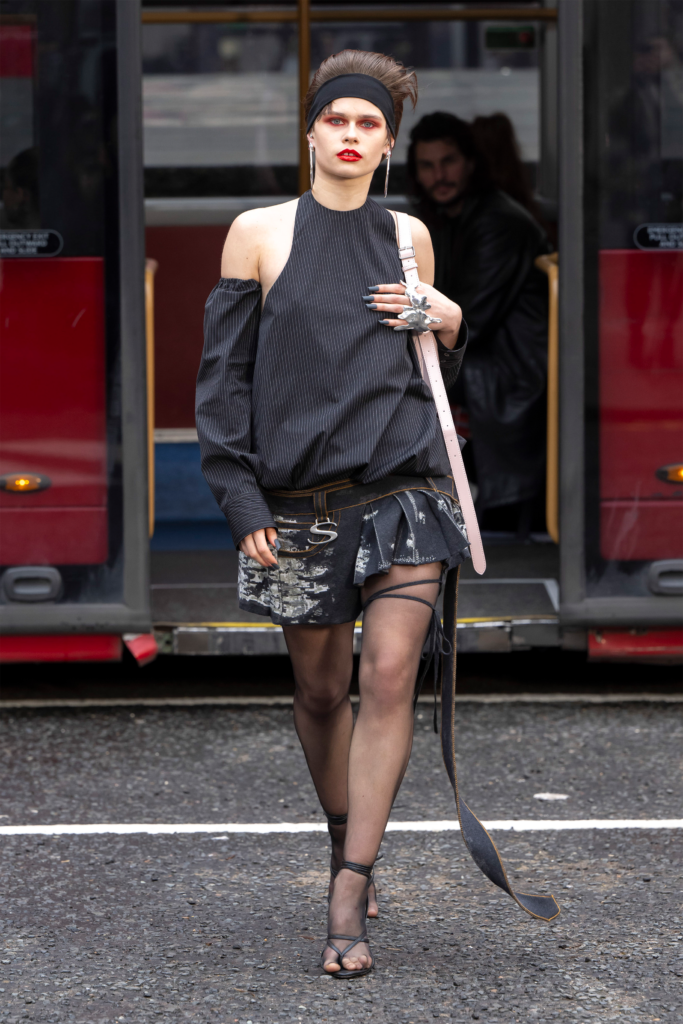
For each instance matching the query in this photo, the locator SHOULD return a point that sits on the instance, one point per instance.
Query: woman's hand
(391, 298)
(256, 545)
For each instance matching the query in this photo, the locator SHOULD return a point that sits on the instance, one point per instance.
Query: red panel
(53, 536)
(635, 643)
(641, 401)
(16, 51)
(641, 530)
(52, 404)
(87, 647)
(189, 266)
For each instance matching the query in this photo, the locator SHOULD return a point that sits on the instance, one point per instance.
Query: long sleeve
(224, 404)
(450, 359)
(499, 251)
(485, 259)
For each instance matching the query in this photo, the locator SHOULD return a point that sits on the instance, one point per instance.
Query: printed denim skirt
(334, 537)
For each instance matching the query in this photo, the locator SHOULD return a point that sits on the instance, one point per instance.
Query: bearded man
(485, 245)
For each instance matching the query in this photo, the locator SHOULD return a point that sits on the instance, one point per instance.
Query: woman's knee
(385, 683)
(321, 696)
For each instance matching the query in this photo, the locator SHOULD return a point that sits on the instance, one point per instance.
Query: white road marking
(285, 701)
(259, 828)
(551, 796)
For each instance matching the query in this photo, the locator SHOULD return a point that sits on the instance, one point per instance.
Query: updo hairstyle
(400, 81)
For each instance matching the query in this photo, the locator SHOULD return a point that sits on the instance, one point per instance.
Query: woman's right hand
(255, 545)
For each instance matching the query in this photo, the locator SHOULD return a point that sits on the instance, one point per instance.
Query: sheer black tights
(322, 659)
(370, 761)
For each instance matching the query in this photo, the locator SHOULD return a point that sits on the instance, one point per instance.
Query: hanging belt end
(479, 563)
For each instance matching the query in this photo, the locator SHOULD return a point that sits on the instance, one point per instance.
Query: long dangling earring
(386, 178)
(311, 164)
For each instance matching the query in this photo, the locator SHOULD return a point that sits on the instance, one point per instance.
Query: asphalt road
(204, 928)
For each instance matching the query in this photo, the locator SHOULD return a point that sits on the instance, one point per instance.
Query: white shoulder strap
(428, 358)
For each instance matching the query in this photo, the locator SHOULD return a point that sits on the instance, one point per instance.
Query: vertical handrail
(549, 266)
(150, 271)
(304, 26)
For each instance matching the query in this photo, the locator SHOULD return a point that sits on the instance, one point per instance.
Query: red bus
(73, 475)
(138, 129)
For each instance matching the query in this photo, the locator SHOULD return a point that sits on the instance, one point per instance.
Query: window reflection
(642, 172)
(634, 229)
(221, 101)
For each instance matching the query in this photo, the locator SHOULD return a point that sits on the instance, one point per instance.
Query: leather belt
(340, 494)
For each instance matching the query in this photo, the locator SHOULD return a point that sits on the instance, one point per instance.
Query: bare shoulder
(240, 257)
(265, 218)
(279, 212)
(262, 224)
(421, 236)
(419, 231)
(250, 235)
(424, 251)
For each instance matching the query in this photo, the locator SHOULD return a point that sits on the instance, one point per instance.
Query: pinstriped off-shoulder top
(313, 388)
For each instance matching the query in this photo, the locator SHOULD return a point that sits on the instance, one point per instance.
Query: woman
(321, 444)
(496, 141)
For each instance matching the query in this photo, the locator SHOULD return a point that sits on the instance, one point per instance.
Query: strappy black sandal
(341, 819)
(353, 940)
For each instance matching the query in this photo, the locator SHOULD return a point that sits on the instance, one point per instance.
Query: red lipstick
(349, 155)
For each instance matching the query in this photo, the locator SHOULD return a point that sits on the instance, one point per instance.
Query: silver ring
(416, 316)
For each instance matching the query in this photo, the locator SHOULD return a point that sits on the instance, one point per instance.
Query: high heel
(353, 940)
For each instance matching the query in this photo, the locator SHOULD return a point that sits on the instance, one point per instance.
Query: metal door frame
(576, 609)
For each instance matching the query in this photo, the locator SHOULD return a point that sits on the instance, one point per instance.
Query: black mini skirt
(365, 529)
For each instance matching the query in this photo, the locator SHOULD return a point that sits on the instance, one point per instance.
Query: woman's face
(351, 139)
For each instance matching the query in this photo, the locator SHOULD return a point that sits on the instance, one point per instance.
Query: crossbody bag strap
(478, 841)
(428, 358)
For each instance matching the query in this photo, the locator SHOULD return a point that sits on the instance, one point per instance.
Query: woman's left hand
(391, 298)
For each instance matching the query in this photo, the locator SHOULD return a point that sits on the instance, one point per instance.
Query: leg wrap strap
(335, 819)
(360, 869)
(436, 644)
(440, 647)
(477, 840)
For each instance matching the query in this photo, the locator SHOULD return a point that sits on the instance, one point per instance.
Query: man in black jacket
(485, 245)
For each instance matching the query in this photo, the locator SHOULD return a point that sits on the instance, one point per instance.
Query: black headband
(362, 87)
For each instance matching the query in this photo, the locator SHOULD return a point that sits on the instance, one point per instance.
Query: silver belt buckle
(319, 530)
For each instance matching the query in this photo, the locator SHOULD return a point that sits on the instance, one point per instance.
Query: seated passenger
(495, 139)
(485, 245)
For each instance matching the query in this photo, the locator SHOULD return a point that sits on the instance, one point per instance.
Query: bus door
(222, 132)
(621, 317)
(73, 475)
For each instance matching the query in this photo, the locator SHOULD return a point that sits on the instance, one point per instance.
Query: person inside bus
(485, 244)
(495, 139)
(20, 191)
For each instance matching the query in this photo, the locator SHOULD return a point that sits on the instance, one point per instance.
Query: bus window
(60, 472)
(634, 264)
(221, 106)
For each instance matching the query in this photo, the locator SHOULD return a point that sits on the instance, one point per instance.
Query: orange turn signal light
(22, 482)
(671, 474)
